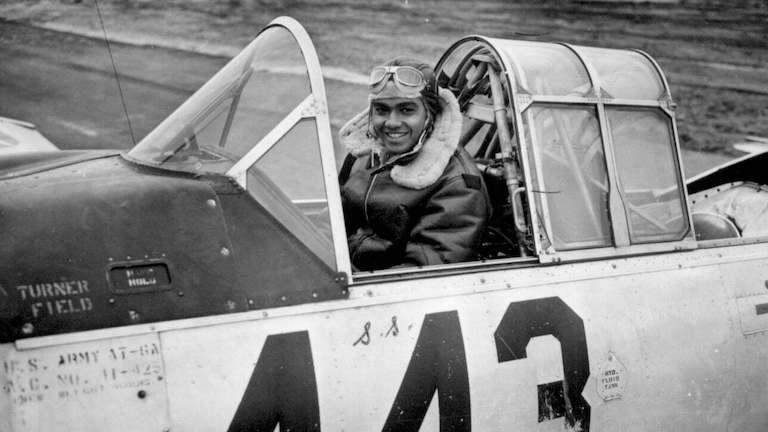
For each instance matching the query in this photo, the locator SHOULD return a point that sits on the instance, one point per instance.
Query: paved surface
(66, 85)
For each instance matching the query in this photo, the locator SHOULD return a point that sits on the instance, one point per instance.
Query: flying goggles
(408, 80)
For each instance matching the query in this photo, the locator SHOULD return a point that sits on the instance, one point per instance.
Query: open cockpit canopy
(585, 135)
(578, 144)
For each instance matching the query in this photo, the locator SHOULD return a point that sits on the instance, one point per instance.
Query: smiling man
(398, 122)
(411, 195)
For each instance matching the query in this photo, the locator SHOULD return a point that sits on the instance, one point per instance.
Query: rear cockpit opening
(731, 210)
(729, 203)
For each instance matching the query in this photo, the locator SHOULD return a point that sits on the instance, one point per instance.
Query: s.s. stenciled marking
(364, 338)
(528, 319)
(283, 389)
(393, 330)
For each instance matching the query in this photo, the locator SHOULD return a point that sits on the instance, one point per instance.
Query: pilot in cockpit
(411, 195)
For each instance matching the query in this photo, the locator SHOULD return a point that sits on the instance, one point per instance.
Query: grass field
(715, 53)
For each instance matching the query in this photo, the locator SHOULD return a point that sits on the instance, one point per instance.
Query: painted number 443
(283, 390)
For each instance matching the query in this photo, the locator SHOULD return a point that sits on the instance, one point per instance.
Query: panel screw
(211, 203)
(141, 394)
(225, 251)
(27, 328)
(133, 315)
(181, 293)
(111, 301)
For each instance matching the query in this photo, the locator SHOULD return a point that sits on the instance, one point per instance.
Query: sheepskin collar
(431, 158)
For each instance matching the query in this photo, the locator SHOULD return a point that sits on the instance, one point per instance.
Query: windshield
(571, 181)
(262, 121)
(233, 111)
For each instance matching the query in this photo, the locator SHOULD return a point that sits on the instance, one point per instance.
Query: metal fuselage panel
(644, 343)
(103, 243)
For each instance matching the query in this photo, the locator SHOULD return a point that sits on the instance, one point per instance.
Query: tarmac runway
(65, 84)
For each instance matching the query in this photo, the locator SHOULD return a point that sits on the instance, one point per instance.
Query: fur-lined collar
(432, 158)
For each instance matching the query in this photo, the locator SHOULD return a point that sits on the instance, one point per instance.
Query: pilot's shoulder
(461, 165)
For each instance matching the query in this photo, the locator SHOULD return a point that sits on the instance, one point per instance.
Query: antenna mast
(117, 76)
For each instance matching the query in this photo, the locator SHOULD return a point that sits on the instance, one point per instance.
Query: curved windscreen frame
(232, 112)
(589, 91)
(632, 82)
(509, 72)
(625, 74)
(534, 74)
(248, 108)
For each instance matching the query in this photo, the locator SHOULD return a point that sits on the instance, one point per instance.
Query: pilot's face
(398, 123)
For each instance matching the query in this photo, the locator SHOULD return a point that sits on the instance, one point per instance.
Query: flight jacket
(429, 206)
